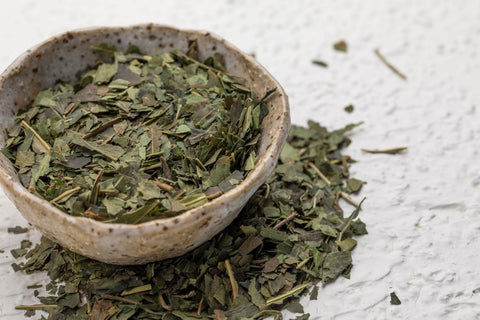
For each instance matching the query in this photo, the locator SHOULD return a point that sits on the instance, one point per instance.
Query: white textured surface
(423, 207)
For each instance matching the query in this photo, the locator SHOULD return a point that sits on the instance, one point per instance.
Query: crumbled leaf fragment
(334, 265)
(340, 46)
(394, 300)
(354, 184)
(17, 230)
(320, 63)
(349, 109)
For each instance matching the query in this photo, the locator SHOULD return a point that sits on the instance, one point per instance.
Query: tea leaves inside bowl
(138, 137)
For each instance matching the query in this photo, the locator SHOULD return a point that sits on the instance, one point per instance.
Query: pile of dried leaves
(291, 235)
(139, 138)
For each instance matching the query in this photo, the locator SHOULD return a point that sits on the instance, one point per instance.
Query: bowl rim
(262, 165)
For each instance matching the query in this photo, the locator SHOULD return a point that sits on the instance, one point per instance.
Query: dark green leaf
(394, 299)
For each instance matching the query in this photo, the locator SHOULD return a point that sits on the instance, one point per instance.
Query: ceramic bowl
(59, 58)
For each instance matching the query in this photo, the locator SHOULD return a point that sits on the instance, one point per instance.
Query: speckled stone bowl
(60, 58)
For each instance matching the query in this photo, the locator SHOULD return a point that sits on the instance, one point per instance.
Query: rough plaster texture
(423, 207)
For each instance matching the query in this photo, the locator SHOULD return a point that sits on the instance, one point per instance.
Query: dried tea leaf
(271, 265)
(149, 190)
(25, 158)
(320, 63)
(74, 162)
(347, 244)
(232, 180)
(340, 46)
(289, 154)
(87, 94)
(110, 151)
(17, 253)
(102, 310)
(354, 184)
(255, 296)
(244, 311)
(334, 265)
(219, 173)
(386, 151)
(104, 49)
(105, 73)
(250, 244)
(273, 234)
(41, 168)
(359, 228)
(294, 307)
(349, 109)
(251, 160)
(17, 230)
(389, 65)
(394, 300)
(114, 206)
(70, 300)
(183, 129)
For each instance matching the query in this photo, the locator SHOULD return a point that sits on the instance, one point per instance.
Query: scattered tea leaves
(291, 234)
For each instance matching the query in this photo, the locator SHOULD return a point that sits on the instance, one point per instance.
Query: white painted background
(423, 207)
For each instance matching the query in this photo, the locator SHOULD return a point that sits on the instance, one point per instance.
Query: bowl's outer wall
(61, 58)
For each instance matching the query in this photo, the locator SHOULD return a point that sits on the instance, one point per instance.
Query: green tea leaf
(25, 159)
(334, 265)
(219, 173)
(114, 206)
(149, 190)
(137, 215)
(354, 184)
(110, 151)
(289, 154)
(394, 300)
(105, 73)
(41, 168)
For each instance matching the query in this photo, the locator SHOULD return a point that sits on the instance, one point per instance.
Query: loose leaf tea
(340, 46)
(290, 235)
(320, 63)
(138, 137)
(17, 230)
(389, 65)
(387, 151)
(349, 108)
(394, 300)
